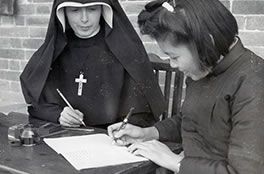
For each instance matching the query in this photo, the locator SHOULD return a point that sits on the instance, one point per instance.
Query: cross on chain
(80, 82)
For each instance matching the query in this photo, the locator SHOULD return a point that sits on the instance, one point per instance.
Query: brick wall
(22, 33)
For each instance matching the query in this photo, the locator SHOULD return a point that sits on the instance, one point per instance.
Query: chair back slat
(167, 89)
(157, 75)
(173, 104)
(177, 92)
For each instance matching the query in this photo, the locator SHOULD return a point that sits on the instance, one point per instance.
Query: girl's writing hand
(129, 134)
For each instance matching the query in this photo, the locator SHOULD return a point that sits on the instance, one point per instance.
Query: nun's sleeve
(48, 107)
(47, 111)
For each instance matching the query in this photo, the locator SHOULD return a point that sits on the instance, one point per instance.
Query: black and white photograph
(131, 86)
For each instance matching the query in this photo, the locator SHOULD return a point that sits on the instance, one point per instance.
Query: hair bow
(168, 6)
(160, 3)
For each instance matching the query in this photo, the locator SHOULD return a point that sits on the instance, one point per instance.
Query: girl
(221, 125)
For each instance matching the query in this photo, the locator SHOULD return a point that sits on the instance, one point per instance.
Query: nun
(93, 55)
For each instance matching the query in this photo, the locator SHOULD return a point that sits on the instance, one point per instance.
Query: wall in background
(22, 33)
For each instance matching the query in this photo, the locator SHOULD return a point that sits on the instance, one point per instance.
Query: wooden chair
(161, 66)
(173, 84)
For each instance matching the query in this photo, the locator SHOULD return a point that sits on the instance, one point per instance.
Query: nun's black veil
(123, 42)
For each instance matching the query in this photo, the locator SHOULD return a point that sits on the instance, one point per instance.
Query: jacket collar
(234, 54)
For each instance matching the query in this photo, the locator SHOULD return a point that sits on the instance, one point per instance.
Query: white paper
(91, 151)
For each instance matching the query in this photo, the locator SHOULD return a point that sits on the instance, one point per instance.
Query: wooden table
(41, 159)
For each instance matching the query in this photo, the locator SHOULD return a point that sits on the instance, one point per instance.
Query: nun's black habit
(46, 71)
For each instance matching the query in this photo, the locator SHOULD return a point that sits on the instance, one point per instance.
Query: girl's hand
(70, 118)
(131, 134)
(157, 152)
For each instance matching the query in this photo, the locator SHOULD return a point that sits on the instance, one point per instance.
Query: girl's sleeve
(170, 129)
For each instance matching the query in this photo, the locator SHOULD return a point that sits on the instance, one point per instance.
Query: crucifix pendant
(80, 82)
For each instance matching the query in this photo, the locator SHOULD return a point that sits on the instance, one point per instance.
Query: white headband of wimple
(107, 11)
(168, 6)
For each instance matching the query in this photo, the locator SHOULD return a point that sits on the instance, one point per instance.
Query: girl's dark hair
(206, 23)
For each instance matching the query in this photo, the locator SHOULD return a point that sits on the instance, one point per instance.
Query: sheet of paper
(91, 151)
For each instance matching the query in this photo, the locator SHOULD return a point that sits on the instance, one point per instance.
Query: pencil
(79, 129)
(70, 106)
(125, 121)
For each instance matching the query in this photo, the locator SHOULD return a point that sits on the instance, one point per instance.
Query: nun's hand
(70, 118)
(157, 152)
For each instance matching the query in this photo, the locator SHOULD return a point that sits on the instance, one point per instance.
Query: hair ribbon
(168, 6)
